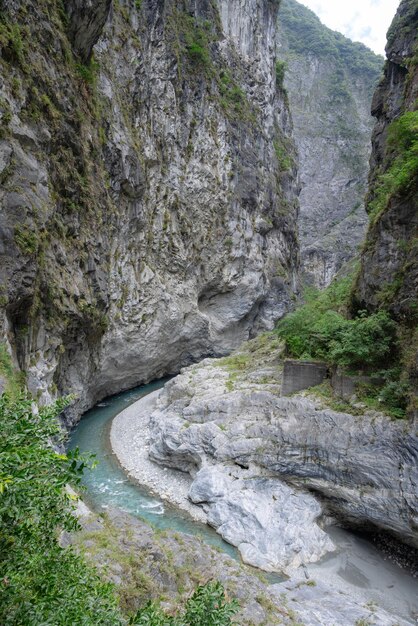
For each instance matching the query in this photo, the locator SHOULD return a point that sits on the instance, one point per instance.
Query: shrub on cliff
(321, 329)
(365, 342)
(362, 343)
(402, 174)
(308, 330)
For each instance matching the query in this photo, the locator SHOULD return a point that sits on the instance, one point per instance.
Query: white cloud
(360, 20)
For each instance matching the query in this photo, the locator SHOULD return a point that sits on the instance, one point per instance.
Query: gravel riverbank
(129, 440)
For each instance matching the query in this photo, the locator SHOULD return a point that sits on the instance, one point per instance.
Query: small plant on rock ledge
(207, 606)
(88, 73)
(280, 72)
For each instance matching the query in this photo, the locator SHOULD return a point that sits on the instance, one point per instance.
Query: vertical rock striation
(330, 81)
(148, 214)
(389, 264)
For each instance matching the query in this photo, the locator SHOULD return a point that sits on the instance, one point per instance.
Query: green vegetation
(296, 327)
(48, 107)
(360, 343)
(256, 354)
(392, 396)
(236, 362)
(14, 381)
(281, 150)
(88, 73)
(357, 344)
(206, 607)
(402, 175)
(192, 39)
(404, 23)
(325, 392)
(233, 99)
(305, 37)
(94, 317)
(5, 119)
(12, 41)
(26, 240)
(197, 39)
(42, 582)
(367, 343)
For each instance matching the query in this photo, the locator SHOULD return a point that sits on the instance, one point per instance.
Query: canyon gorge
(176, 180)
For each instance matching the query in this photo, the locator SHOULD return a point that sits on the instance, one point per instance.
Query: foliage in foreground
(368, 343)
(42, 582)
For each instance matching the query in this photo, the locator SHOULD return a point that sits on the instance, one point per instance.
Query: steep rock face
(389, 264)
(146, 219)
(330, 81)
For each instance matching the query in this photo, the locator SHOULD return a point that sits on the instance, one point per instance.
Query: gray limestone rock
(318, 604)
(86, 21)
(365, 468)
(389, 263)
(170, 563)
(388, 274)
(272, 525)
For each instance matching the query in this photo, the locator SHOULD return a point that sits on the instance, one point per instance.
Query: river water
(357, 567)
(107, 485)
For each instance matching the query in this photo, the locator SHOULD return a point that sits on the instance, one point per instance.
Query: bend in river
(357, 567)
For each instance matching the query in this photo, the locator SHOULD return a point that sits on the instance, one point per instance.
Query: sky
(360, 20)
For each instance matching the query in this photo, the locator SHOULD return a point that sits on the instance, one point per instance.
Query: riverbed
(357, 567)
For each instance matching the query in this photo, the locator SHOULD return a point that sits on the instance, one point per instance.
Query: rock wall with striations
(388, 275)
(146, 219)
(330, 82)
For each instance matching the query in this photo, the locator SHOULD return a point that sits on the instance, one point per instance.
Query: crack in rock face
(86, 21)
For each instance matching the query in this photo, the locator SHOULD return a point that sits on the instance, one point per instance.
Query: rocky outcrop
(389, 263)
(272, 525)
(330, 81)
(364, 468)
(147, 220)
(144, 565)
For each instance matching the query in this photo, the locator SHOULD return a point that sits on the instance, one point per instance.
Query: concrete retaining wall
(345, 386)
(298, 375)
